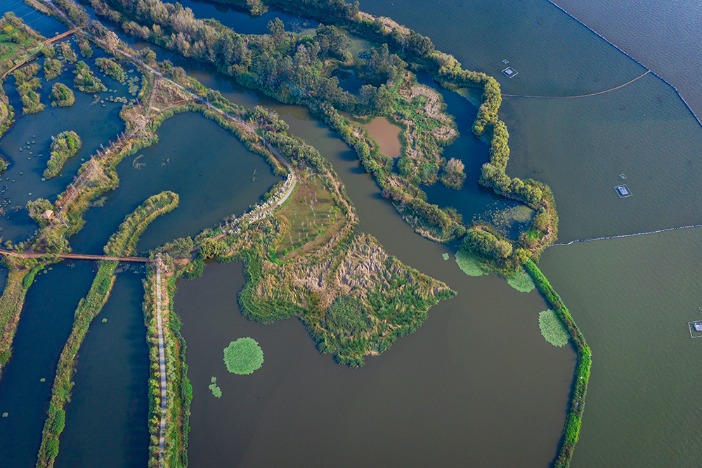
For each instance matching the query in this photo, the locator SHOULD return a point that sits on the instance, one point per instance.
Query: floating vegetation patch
(521, 281)
(214, 388)
(469, 263)
(552, 329)
(445, 256)
(243, 356)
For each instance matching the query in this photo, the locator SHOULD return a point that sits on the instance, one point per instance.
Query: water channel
(25, 388)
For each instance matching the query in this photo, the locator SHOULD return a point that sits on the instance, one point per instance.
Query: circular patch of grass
(552, 329)
(521, 281)
(243, 356)
(469, 263)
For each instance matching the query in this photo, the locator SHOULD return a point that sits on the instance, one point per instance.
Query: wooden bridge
(31, 53)
(75, 256)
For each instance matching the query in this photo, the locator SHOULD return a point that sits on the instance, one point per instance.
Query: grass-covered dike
(571, 429)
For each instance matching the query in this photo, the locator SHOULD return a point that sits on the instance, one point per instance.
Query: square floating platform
(510, 72)
(623, 191)
(695, 328)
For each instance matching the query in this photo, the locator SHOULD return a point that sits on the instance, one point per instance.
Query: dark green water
(106, 421)
(44, 326)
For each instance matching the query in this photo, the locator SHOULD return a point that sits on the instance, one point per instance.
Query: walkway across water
(75, 256)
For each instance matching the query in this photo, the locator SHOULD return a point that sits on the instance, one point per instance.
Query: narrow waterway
(25, 388)
(107, 416)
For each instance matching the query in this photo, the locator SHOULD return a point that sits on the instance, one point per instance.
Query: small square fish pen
(510, 72)
(695, 329)
(622, 190)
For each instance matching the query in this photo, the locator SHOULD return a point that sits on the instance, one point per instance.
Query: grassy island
(62, 96)
(86, 81)
(52, 68)
(63, 146)
(27, 85)
(111, 68)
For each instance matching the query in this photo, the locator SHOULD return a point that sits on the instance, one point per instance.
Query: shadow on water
(44, 326)
(211, 171)
(107, 416)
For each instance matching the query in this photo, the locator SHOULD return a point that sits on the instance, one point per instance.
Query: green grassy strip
(88, 308)
(571, 429)
(178, 388)
(121, 243)
(18, 282)
(64, 146)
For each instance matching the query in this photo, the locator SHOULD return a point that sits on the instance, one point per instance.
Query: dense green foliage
(63, 146)
(67, 52)
(453, 174)
(18, 283)
(52, 68)
(62, 96)
(124, 241)
(111, 68)
(85, 80)
(571, 430)
(552, 329)
(85, 50)
(87, 309)
(27, 85)
(243, 356)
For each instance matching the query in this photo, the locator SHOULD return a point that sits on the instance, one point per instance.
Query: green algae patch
(469, 263)
(552, 329)
(243, 356)
(521, 281)
(214, 388)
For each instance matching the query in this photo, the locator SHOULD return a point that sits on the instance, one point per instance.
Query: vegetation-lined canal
(110, 386)
(25, 387)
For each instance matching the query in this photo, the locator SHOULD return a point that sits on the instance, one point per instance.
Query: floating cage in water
(510, 72)
(695, 328)
(623, 191)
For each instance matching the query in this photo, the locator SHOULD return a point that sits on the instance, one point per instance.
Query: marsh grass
(243, 356)
(552, 329)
